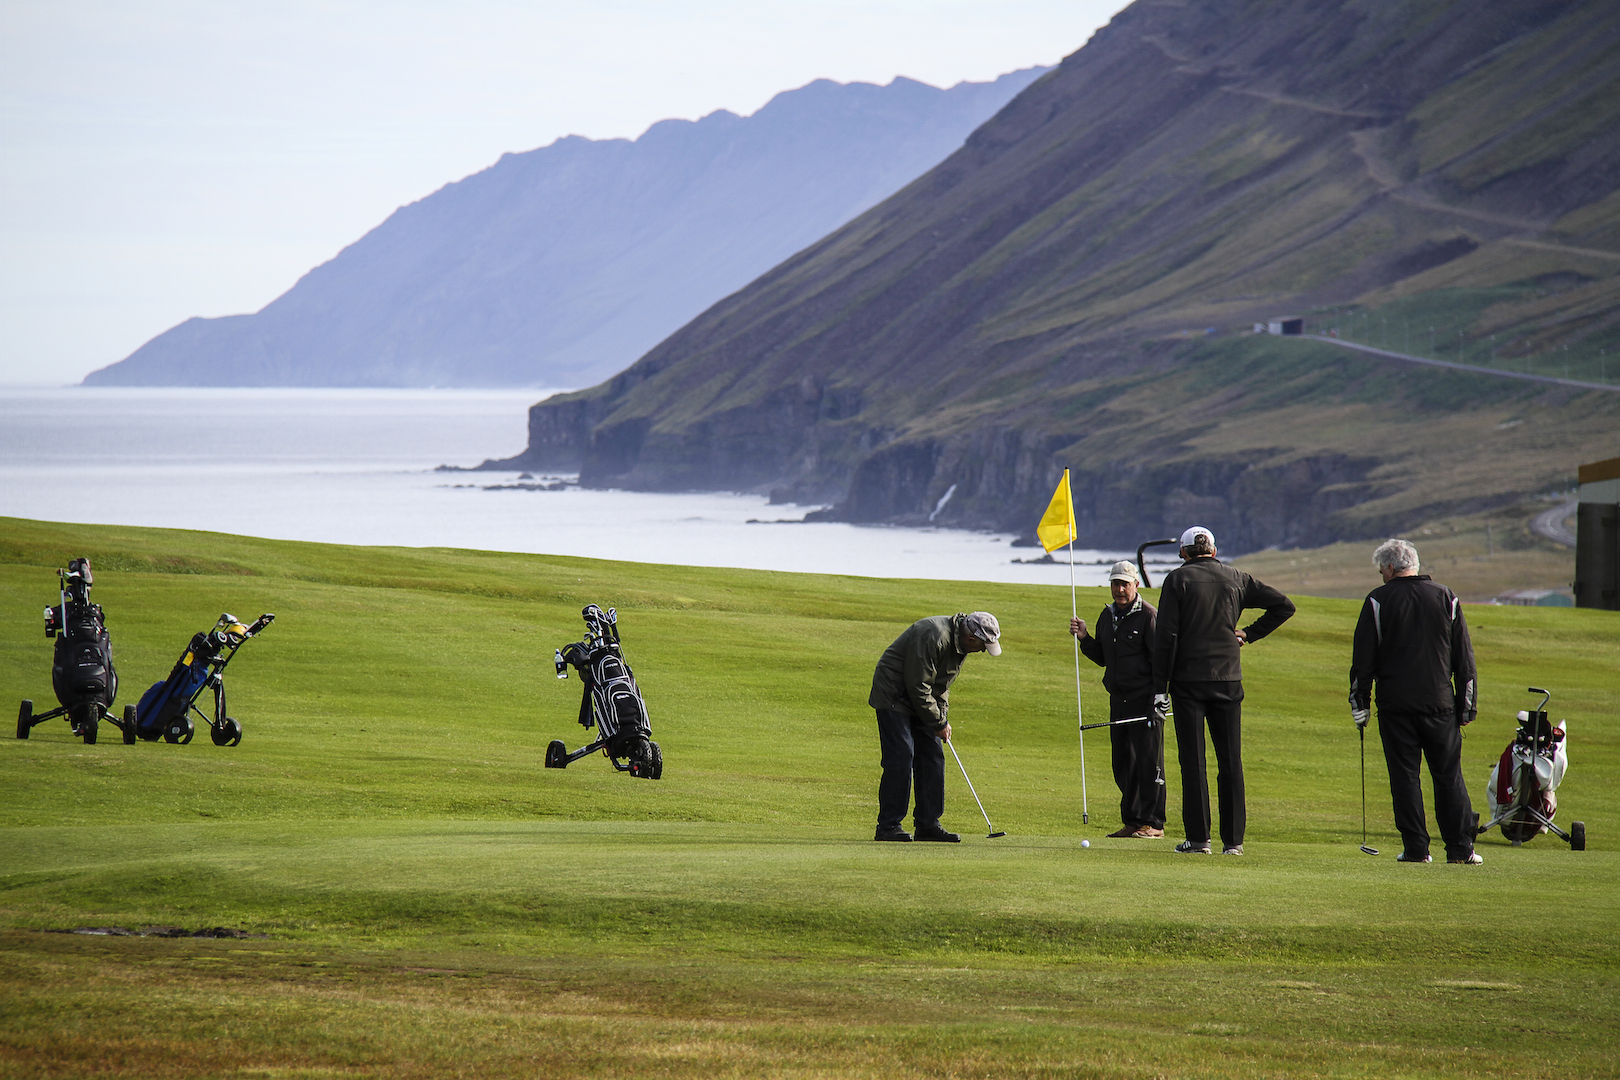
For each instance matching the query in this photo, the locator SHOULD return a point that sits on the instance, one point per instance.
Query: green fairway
(433, 902)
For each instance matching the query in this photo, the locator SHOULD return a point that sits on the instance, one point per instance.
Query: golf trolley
(165, 709)
(611, 701)
(82, 672)
(1522, 785)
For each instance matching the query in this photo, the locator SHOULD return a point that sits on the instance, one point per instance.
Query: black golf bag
(82, 672)
(165, 709)
(611, 701)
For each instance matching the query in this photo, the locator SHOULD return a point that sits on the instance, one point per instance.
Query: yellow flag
(1057, 524)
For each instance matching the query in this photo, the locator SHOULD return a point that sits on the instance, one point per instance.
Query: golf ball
(1085, 843)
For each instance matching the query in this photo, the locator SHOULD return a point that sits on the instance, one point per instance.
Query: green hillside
(1078, 285)
(435, 903)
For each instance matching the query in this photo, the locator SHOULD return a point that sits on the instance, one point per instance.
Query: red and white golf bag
(1524, 782)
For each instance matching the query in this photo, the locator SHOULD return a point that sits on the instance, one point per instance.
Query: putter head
(993, 835)
(1369, 850)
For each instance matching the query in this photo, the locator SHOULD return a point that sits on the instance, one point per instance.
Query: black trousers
(1138, 762)
(1225, 720)
(1408, 739)
(910, 750)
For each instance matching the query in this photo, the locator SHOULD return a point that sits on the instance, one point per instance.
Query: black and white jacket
(1412, 641)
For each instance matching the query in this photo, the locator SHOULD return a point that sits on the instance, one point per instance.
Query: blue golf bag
(164, 711)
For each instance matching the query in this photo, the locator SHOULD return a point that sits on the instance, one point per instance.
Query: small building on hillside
(1288, 327)
(1597, 536)
(1535, 598)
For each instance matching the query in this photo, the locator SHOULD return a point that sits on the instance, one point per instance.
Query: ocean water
(358, 467)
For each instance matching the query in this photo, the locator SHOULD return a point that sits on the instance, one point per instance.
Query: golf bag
(165, 709)
(1523, 784)
(611, 701)
(82, 672)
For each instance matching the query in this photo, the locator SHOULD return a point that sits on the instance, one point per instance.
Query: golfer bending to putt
(1413, 642)
(911, 692)
(1123, 648)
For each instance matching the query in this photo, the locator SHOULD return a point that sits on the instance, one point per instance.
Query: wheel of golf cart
(25, 719)
(557, 755)
(656, 772)
(129, 725)
(639, 751)
(236, 731)
(179, 730)
(226, 733)
(1577, 836)
(89, 720)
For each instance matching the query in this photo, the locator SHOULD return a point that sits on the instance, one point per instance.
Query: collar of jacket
(958, 631)
(1136, 605)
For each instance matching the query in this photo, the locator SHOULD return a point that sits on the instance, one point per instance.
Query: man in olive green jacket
(911, 693)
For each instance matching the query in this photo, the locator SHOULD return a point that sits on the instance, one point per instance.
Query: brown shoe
(1126, 830)
(1146, 832)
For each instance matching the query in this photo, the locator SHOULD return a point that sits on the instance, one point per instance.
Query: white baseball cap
(1190, 537)
(1124, 570)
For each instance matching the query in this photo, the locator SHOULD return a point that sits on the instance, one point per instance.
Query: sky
(161, 159)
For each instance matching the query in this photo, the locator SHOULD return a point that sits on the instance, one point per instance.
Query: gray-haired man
(911, 692)
(1412, 641)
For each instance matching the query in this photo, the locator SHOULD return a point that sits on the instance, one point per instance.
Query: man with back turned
(1412, 641)
(1196, 669)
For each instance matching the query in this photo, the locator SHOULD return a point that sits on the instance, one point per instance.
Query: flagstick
(1079, 711)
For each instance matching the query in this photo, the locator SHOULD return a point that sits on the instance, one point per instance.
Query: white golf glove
(1360, 716)
(1161, 707)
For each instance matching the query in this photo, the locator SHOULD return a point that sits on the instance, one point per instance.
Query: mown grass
(437, 904)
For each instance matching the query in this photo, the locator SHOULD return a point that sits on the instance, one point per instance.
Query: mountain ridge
(1041, 297)
(561, 265)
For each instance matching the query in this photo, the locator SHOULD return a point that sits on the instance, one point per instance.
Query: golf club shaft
(1116, 723)
(988, 827)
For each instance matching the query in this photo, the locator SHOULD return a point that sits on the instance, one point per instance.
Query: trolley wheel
(25, 719)
(226, 733)
(179, 730)
(129, 725)
(557, 754)
(639, 753)
(657, 770)
(1577, 836)
(87, 725)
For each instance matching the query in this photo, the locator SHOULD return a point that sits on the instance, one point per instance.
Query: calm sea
(358, 467)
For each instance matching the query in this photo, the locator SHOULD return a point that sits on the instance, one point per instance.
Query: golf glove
(1161, 707)
(1360, 716)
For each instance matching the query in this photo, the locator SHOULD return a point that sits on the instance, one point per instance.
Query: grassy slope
(437, 902)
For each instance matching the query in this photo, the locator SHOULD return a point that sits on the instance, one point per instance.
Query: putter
(1363, 733)
(959, 765)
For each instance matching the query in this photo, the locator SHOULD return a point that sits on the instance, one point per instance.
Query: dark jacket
(1412, 640)
(1199, 606)
(915, 673)
(1122, 644)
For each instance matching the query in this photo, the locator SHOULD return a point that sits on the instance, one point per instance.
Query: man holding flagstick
(1123, 648)
(1055, 530)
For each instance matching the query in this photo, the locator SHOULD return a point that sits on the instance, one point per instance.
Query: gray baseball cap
(983, 625)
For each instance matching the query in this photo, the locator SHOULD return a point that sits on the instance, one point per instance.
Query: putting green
(434, 902)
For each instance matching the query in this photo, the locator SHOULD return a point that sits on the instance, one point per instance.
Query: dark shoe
(938, 835)
(1192, 847)
(1473, 858)
(1404, 857)
(893, 832)
(1125, 830)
